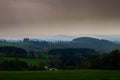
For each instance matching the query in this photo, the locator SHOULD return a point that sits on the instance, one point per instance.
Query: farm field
(61, 75)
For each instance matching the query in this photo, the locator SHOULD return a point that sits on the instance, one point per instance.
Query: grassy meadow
(61, 75)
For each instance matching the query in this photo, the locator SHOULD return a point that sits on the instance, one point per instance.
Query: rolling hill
(94, 43)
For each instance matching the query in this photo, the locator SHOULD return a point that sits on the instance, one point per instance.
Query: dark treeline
(64, 58)
(9, 51)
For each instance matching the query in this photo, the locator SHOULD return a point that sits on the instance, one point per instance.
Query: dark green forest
(63, 59)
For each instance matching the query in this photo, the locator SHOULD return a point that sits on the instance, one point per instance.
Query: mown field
(61, 75)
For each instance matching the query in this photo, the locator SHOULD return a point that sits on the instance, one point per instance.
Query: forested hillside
(82, 42)
(14, 58)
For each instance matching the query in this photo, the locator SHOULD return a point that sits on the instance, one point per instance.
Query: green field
(61, 75)
(28, 60)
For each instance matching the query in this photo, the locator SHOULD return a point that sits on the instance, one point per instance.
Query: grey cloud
(27, 11)
(57, 13)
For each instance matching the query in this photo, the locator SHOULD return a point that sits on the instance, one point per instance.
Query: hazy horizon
(64, 37)
(44, 18)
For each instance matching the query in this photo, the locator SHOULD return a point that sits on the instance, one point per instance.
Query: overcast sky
(39, 18)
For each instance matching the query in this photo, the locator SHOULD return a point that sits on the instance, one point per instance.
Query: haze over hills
(100, 45)
(69, 38)
(115, 38)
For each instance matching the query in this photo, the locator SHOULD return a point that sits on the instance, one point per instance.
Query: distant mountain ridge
(69, 38)
(113, 38)
(91, 40)
(97, 44)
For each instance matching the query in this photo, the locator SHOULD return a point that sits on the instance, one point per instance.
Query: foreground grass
(61, 75)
